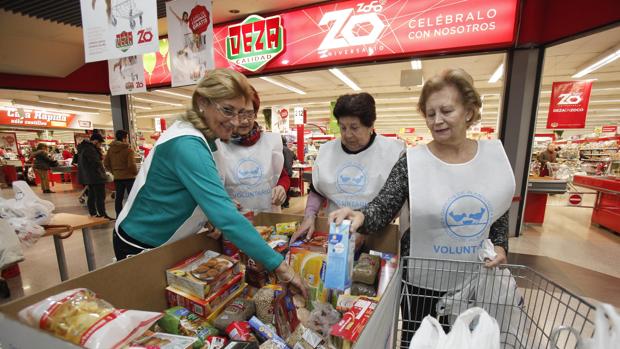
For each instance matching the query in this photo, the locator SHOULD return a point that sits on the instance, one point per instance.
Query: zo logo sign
(570, 98)
(352, 28)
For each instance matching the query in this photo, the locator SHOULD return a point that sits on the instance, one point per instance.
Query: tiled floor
(565, 249)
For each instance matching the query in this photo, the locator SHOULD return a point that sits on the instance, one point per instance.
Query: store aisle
(565, 249)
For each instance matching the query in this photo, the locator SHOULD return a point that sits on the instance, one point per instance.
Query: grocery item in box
(304, 338)
(353, 321)
(285, 314)
(78, 316)
(229, 249)
(322, 318)
(318, 243)
(361, 289)
(366, 269)
(265, 232)
(272, 344)
(345, 302)
(240, 331)
(286, 228)
(238, 310)
(265, 333)
(389, 266)
(202, 273)
(311, 268)
(178, 320)
(203, 307)
(340, 253)
(215, 342)
(264, 300)
(156, 340)
(241, 345)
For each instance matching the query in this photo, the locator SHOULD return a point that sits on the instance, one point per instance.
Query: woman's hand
(306, 229)
(356, 218)
(287, 275)
(500, 259)
(278, 195)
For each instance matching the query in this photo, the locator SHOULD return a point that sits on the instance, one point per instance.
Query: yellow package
(311, 267)
(286, 228)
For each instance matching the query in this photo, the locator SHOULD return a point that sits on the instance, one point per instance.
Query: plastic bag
(27, 231)
(71, 315)
(31, 206)
(10, 249)
(366, 269)
(473, 329)
(430, 335)
(606, 333)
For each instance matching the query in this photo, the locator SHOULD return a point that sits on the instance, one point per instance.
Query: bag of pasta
(78, 316)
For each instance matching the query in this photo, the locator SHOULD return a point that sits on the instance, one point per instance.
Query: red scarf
(249, 139)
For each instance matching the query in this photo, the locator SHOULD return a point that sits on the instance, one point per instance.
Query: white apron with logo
(353, 180)
(453, 207)
(250, 173)
(197, 220)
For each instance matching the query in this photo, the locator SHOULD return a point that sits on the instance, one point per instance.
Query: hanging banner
(8, 141)
(121, 28)
(190, 35)
(280, 120)
(568, 105)
(126, 75)
(40, 118)
(609, 129)
(157, 65)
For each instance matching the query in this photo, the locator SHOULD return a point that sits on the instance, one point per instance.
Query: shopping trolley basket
(126, 9)
(528, 307)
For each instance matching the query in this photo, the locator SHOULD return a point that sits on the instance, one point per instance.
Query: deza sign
(254, 42)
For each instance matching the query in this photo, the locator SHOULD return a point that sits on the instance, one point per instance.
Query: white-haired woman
(178, 186)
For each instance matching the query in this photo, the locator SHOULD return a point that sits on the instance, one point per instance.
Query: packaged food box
(241, 345)
(203, 307)
(239, 309)
(285, 314)
(353, 321)
(340, 253)
(241, 293)
(318, 243)
(265, 333)
(240, 331)
(287, 228)
(157, 340)
(180, 321)
(202, 273)
(311, 267)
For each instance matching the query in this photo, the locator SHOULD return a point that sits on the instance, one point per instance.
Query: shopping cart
(126, 9)
(531, 314)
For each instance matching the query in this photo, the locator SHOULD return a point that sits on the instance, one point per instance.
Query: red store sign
(362, 31)
(568, 105)
(36, 118)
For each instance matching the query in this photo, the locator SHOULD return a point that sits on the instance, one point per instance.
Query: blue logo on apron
(249, 172)
(467, 215)
(351, 179)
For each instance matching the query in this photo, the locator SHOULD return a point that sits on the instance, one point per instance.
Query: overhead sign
(362, 31)
(190, 34)
(299, 114)
(280, 120)
(115, 29)
(254, 42)
(126, 75)
(39, 118)
(345, 31)
(609, 129)
(568, 104)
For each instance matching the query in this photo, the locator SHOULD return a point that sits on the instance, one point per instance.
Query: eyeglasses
(231, 113)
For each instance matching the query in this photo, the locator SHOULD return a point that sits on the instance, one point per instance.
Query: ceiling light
(141, 107)
(88, 100)
(416, 64)
(608, 57)
(283, 85)
(60, 101)
(156, 101)
(340, 75)
(498, 74)
(173, 94)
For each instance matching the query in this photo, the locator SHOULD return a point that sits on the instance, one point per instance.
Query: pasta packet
(78, 316)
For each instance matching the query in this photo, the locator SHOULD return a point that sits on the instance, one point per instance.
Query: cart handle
(61, 227)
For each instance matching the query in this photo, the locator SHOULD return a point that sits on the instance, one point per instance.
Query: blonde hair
(464, 84)
(217, 84)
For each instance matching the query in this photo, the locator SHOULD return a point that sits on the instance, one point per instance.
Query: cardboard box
(199, 306)
(139, 283)
(183, 275)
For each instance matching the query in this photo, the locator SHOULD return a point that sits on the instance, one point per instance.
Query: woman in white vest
(459, 191)
(252, 165)
(178, 185)
(350, 171)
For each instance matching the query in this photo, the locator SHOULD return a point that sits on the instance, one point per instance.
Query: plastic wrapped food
(305, 338)
(152, 340)
(360, 289)
(264, 302)
(72, 314)
(322, 318)
(266, 333)
(286, 228)
(366, 269)
(285, 314)
(238, 310)
(389, 266)
(178, 320)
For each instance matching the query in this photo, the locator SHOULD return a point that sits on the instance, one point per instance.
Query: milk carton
(340, 253)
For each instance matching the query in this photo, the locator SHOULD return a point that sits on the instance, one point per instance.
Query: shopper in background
(547, 156)
(289, 159)
(179, 184)
(350, 171)
(120, 160)
(459, 193)
(67, 153)
(92, 174)
(252, 164)
(42, 164)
